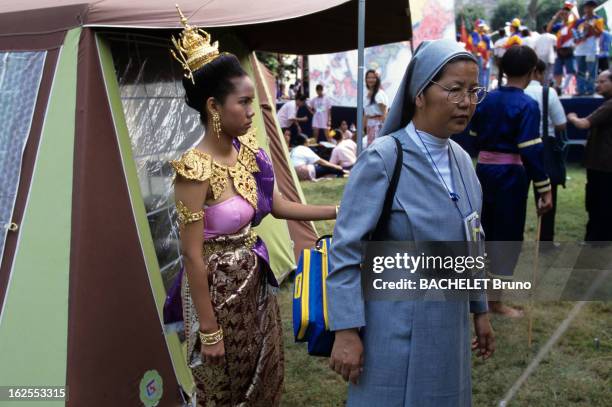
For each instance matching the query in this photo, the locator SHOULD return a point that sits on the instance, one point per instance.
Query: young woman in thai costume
(223, 187)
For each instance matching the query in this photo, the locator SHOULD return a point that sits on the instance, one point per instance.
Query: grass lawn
(574, 373)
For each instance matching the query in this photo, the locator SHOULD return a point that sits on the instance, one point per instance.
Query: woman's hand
(347, 355)
(213, 354)
(485, 339)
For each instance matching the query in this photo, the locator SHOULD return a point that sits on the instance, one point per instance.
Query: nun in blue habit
(415, 352)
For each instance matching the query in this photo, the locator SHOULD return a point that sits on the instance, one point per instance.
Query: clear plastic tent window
(20, 76)
(161, 126)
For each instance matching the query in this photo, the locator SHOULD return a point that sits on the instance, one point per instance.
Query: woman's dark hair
(540, 66)
(338, 136)
(376, 85)
(518, 61)
(301, 140)
(409, 107)
(212, 80)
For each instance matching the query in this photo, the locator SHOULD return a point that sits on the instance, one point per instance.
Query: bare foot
(500, 308)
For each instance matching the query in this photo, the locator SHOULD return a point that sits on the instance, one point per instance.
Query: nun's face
(442, 117)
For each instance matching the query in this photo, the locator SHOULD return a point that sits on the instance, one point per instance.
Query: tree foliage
(469, 13)
(506, 10)
(533, 13)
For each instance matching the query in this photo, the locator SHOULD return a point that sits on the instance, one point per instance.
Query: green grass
(575, 372)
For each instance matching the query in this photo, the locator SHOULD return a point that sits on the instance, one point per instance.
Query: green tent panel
(33, 329)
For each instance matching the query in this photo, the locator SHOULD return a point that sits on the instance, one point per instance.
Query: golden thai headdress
(193, 47)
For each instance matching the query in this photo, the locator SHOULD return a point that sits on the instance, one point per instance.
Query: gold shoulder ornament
(193, 165)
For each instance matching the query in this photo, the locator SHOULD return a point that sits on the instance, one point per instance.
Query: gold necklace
(196, 165)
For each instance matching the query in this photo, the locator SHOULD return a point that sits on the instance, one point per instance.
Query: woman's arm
(328, 164)
(383, 108)
(284, 209)
(190, 196)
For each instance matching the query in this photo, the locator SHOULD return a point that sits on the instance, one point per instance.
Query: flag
(465, 39)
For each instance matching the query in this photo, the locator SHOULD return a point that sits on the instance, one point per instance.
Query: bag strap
(386, 211)
(545, 112)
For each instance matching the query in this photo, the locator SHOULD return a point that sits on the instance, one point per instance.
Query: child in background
(507, 130)
(344, 130)
(321, 120)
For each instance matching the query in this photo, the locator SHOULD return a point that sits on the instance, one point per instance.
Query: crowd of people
(224, 186)
(573, 47)
(299, 116)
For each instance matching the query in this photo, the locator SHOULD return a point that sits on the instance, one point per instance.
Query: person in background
(344, 130)
(375, 105)
(528, 37)
(479, 44)
(308, 165)
(498, 52)
(320, 107)
(292, 93)
(562, 24)
(287, 137)
(515, 34)
(499, 46)
(345, 152)
(544, 48)
(553, 160)
(506, 127)
(604, 51)
(288, 119)
(598, 162)
(586, 36)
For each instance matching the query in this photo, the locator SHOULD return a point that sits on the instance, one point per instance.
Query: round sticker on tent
(151, 388)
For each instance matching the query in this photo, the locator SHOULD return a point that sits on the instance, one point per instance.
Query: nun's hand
(485, 339)
(347, 355)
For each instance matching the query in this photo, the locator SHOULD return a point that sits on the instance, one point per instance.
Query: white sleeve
(381, 97)
(555, 108)
(291, 111)
(311, 156)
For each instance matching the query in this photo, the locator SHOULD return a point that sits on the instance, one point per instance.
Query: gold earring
(216, 123)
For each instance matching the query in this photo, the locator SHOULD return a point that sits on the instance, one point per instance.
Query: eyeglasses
(457, 95)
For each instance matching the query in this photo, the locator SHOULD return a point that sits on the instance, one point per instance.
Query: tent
(92, 110)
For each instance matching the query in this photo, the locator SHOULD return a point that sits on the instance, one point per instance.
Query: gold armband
(185, 216)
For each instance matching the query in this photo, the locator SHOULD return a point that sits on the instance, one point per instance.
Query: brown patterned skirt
(248, 313)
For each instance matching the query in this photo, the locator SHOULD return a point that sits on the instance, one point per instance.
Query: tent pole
(360, 72)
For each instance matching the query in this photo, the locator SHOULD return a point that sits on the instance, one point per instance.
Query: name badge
(473, 230)
(474, 233)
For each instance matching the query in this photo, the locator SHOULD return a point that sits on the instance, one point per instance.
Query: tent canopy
(265, 27)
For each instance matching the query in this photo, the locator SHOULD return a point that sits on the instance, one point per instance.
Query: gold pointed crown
(193, 47)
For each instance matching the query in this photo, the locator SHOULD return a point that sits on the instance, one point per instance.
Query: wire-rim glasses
(457, 95)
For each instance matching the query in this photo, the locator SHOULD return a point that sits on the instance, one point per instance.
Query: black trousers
(603, 64)
(322, 171)
(547, 233)
(598, 200)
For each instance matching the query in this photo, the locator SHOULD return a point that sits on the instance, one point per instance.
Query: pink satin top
(227, 217)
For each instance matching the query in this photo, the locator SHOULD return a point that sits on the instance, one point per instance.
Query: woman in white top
(320, 107)
(375, 105)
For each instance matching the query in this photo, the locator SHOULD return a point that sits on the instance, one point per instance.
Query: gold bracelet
(211, 339)
(337, 209)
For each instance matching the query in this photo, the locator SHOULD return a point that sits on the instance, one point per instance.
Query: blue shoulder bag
(310, 316)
